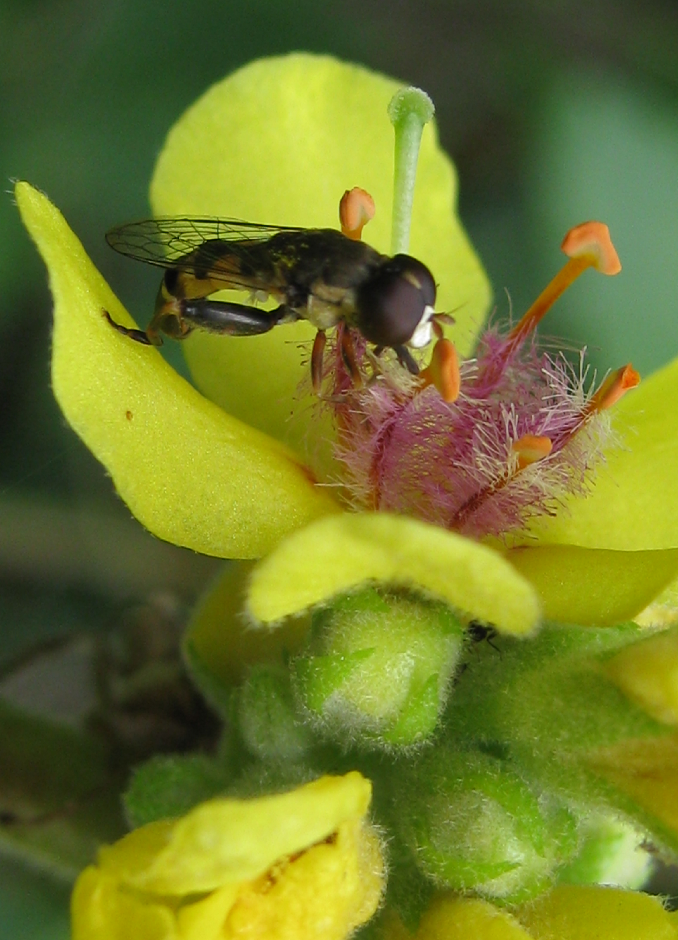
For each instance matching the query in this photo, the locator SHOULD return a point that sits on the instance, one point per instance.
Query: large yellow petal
(335, 555)
(204, 919)
(190, 473)
(457, 918)
(326, 892)
(594, 587)
(646, 771)
(633, 504)
(278, 142)
(574, 912)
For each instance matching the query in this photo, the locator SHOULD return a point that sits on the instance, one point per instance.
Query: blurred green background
(555, 111)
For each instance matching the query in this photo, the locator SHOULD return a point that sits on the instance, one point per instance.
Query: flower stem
(409, 110)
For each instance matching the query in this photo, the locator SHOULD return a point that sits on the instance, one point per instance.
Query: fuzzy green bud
(378, 668)
(266, 716)
(474, 825)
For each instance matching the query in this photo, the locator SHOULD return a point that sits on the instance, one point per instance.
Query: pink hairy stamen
(478, 446)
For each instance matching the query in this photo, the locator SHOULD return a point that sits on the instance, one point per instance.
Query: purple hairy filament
(523, 430)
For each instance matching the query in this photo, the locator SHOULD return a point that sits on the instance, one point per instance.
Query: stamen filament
(588, 246)
(409, 110)
(566, 276)
(529, 449)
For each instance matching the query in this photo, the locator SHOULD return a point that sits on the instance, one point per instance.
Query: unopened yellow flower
(304, 864)
(565, 913)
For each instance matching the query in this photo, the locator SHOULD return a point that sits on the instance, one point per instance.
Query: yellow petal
(225, 841)
(205, 919)
(224, 640)
(131, 856)
(573, 912)
(633, 504)
(339, 553)
(455, 918)
(647, 771)
(325, 893)
(594, 587)
(190, 473)
(100, 910)
(279, 142)
(647, 672)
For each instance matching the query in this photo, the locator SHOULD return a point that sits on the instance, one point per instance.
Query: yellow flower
(304, 864)
(566, 913)
(233, 481)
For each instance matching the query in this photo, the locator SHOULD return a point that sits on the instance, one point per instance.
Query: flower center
(478, 446)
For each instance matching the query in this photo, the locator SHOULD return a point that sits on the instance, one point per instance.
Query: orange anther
(356, 208)
(613, 387)
(587, 246)
(592, 240)
(530, 448)
(443, 370)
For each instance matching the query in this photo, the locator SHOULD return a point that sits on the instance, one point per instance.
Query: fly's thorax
(326, 306)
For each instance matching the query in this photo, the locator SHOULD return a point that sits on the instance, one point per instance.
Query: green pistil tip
(409, 110)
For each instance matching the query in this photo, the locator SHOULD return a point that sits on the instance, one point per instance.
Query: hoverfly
(319, 275)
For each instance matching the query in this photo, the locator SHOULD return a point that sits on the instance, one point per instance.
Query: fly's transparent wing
(192, 244)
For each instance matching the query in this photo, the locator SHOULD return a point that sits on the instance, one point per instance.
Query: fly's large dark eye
(391, 304)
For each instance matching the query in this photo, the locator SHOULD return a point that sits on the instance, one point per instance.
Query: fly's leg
(317, 360)
(231, 319)
(178, 318)
(348, 355)
(406, 359)
(139, 336)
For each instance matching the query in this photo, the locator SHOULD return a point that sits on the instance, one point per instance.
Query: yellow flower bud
(303, 864)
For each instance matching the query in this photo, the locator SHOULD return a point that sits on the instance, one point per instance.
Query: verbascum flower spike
(405, 510)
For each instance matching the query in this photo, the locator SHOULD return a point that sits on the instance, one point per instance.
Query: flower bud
(474, 825)
(379, 667)
(266, 717)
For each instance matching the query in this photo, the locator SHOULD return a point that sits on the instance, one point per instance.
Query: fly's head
(394, 307)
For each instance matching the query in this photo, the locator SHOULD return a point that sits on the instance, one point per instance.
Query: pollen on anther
(443, 371)
(530, 448)
(587, 246)
(613, 387)
(592, 240)
(356, 208)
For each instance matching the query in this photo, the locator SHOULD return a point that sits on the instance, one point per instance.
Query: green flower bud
(474, 825)
(379, 667)
(266, 716)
